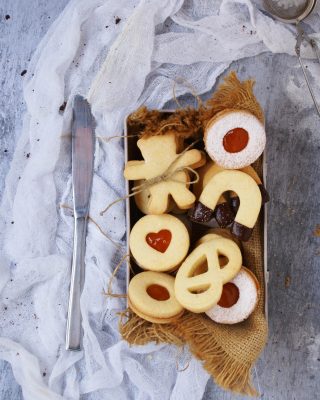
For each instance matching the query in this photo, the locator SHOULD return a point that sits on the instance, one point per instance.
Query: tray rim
(265, 218)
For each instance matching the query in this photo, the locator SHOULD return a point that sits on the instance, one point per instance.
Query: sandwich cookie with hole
(159, 242)
(151, 296)
(234, 139)
(238, 300)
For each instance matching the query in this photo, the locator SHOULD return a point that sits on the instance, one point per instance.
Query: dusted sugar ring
(238, 300)
(234, 139)
(151, 296)
(159, 242)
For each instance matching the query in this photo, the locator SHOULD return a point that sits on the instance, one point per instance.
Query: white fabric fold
(123, 54)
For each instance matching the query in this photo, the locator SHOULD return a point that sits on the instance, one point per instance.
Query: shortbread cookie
(143, 198)
(234, 199)
(159, 153)
(198, 293)
(159, 242)
(234, 138)
(151, 296)
(238, 300)
(223, 212)
(250, 201)
(218, 232)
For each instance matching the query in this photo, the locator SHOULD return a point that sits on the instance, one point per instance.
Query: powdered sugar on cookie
(246, 283)
(234, 139)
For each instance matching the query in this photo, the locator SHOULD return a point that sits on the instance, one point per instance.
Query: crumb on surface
(287, 281)
(23, 72)
(63, 107)
(117, 20)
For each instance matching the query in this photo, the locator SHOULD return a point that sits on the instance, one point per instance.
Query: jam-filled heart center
(159, 241)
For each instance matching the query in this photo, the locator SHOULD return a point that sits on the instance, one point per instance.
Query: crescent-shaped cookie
(248, 193)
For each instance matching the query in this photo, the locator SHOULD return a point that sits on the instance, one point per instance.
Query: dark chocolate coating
(264, 194)
(200, 213)
(241, 231)
(223, 214)
(235, 203)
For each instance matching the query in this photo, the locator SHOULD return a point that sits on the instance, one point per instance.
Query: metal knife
(83, 140)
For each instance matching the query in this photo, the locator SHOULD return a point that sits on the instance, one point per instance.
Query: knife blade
(83, 139)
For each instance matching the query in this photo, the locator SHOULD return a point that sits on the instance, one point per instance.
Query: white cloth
(154, 44)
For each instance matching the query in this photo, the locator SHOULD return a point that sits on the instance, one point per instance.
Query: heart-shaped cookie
(159, 241)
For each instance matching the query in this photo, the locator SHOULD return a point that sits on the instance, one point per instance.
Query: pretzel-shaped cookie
(201, 292)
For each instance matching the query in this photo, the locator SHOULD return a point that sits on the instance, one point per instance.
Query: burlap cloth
(228, 352)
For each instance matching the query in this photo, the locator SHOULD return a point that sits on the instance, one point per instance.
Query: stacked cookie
(211, 278)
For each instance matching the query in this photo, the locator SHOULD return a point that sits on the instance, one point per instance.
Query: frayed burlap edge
(190, 122)
(195, 331)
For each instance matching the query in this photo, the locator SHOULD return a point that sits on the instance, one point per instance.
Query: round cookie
(216, 232)
(198, 293)
(238, 300)
(159, 242)
(250, 201)
(234, 138)
(151, 296)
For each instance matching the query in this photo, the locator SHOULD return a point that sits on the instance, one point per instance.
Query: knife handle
(74, 326)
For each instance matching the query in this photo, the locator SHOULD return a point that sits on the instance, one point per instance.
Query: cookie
(223, 213)
(142, 200)
(159, 152)
(234, 139)
(234, 199)
(216, 232)
(249, 195)
(159, 242)
(151, 296)
(199, 293)
(238, 300)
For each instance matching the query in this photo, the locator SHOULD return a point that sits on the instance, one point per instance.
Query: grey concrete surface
(289, 368)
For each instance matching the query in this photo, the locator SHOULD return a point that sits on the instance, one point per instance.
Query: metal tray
(133, 214)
